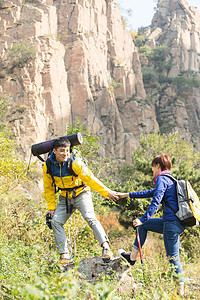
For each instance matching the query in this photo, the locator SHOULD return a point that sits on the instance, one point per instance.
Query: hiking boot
(180, 290)
(66, 261)
(107, 255)
(126, 257)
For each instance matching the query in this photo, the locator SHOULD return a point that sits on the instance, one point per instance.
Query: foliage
(138, 176)
(157, 58)
(89, 151)
(160, 53)
(133, 34)
(149, 75)
(113, 84)
(20, 53)
(145, 52)
(28, 258)
(185, 84)
(29, 266)
(156, 64)
(126, 14)
(12, 169)
(145, 49)
(90, 145)
(4, 107)
(140, 40)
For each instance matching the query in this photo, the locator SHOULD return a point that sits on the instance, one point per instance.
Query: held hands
(122, 195)
(116, 195)
(113, 195)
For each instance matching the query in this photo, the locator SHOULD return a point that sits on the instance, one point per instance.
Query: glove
(48, 220)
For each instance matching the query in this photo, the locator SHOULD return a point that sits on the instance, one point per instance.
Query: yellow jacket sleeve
(49, 190)
(88, 178)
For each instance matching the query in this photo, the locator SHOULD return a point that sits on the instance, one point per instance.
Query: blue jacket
(165, 190)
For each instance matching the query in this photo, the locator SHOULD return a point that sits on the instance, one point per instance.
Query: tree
(138, 176)
(89, 151)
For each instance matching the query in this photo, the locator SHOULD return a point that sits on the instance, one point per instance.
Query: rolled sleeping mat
(44, 147)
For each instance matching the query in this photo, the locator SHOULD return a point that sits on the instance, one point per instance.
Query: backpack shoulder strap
(69, 165)
(170, 176)
(69, 169)
(48, 164)
(175, 180)
(49, 171)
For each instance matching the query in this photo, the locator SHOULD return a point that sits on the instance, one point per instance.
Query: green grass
(29, 269)
(29, 266)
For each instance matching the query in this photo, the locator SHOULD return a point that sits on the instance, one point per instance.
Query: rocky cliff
(177, 99)
(65, 60)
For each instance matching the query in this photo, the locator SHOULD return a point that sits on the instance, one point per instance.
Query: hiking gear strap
(167, 204)
(40, 158)
(70, 203)
(69, 206)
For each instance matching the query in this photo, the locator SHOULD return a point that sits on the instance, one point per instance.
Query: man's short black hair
(61, 142)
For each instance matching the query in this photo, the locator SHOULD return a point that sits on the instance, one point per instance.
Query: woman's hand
(137, 222)
(123, 195)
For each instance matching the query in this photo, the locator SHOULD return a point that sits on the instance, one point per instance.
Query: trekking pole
(139, 244)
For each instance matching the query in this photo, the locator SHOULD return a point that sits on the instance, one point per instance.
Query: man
(75, 195)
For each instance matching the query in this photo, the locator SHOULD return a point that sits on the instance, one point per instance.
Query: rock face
(177, 25)
(65, 60)
(85, 67)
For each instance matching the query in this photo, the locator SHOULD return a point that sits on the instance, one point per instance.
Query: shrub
(12, 168)
(89, 152)
(160, 53)
(149, 75)
(4, 105)
(20, 53)
(140, 40)
(113, 84)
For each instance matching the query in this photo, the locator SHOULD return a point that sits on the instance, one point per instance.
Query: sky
(143, 11)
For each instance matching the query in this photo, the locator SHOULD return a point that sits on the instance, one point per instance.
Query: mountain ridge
(86, 66)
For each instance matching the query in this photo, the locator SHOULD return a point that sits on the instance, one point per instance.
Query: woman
(169, 225)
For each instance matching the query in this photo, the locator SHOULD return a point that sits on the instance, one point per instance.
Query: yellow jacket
(65, 180)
